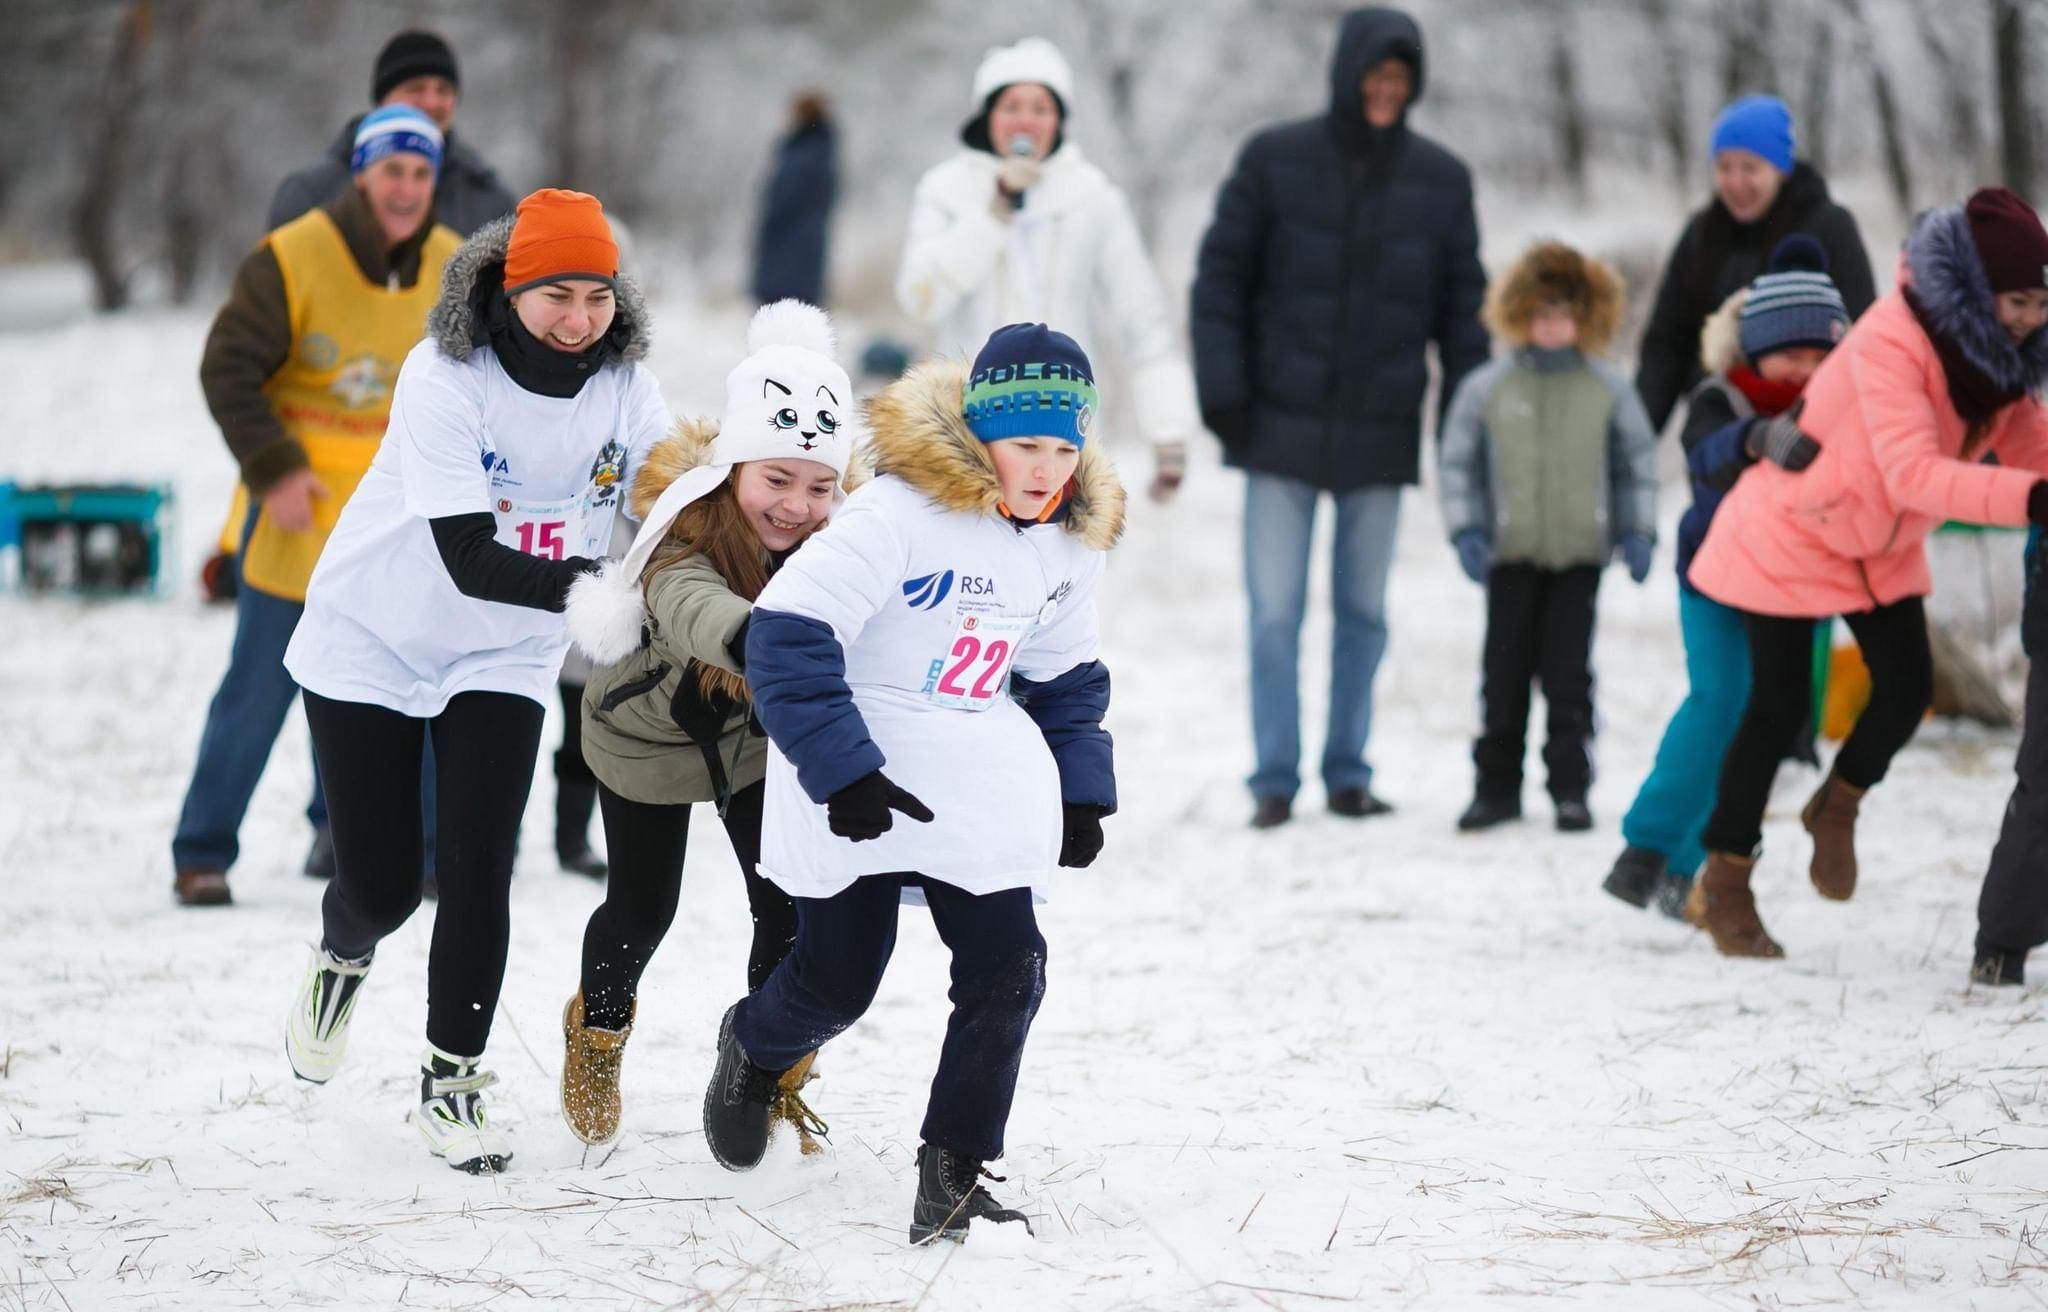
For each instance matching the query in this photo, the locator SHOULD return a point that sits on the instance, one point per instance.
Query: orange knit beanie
(559, 235)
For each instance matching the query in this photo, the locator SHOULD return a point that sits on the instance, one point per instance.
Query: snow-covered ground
(1371, 1064)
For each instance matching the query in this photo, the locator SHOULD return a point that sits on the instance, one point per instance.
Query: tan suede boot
(1830, 816)
(1721, 904)
(789, 1106)
(590, 1074)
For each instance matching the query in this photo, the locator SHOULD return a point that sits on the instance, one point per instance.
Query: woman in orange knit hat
(436, 611)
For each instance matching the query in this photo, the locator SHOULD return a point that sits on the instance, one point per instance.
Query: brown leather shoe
(590, 1074)
(1721, 904)
(1830, 816)
(201, 888)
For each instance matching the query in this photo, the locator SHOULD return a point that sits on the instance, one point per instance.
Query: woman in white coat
(1020, 228)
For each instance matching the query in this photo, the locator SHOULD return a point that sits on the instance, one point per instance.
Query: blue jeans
(1279, 518)
(242, 725)
(843, 944)
(1672, 806)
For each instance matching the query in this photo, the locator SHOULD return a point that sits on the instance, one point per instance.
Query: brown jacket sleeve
(250, 340)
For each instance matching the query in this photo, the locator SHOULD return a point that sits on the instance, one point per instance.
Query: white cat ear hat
(788, 400)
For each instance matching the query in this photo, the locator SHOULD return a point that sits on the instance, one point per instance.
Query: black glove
(702, 715)
(737, 648)
(860, 810)
(1233, 427)
(2037, 506)
(1081, 834)
(1779, 440)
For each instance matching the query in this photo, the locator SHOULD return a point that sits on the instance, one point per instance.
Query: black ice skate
(737, 1103)
(949, 1195)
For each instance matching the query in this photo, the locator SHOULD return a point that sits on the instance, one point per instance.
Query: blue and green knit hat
(1030, 381)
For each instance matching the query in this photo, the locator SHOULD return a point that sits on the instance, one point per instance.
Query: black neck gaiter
(532, 363)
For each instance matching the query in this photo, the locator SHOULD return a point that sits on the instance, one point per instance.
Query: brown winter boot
(590, 1074)
(1830, 816)
(789, 1106)
(1721, 904)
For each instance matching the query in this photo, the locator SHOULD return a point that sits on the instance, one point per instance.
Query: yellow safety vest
(333, 395)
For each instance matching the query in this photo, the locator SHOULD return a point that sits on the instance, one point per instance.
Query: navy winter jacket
(1337, 254)
(796, 211)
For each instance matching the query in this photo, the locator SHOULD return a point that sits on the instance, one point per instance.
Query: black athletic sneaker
(1995, 966)
(737, 1103)
(1635, 875)
(1487, 811)
(949, 1195)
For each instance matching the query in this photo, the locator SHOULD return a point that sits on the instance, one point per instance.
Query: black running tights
(484, 749)
(645, 845)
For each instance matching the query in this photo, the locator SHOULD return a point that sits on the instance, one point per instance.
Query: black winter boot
(574, 801)
(737, 1103)
(949, 1195)
(1272, 812)
(1995, 966)
(1573, 815)
(1636, 875)
(1672, 891)
(1490, 809)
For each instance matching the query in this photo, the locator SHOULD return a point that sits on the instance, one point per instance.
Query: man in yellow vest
(298, 373)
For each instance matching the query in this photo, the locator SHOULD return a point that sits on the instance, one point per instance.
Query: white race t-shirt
(935, 609)
(384, 623)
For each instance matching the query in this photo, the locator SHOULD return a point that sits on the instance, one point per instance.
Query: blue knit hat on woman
(1030, 381)
(1761, 125)
(1794, 304)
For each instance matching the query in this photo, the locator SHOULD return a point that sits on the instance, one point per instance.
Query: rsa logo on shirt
(926, 591)
(500, 470)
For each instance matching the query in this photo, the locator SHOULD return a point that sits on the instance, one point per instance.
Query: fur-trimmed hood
(1721, 335)
(920, 435)
(1940, 265)
(1552, 271)
(475, 273)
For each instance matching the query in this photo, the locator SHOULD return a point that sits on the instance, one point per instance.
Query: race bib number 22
(976, 667)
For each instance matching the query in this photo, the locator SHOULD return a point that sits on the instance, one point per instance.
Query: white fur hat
(788, 400)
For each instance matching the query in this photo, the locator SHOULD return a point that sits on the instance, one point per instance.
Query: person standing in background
(1762, 193)
(1343, 246)
(1020, 228)
(796, 208)
(298, 373)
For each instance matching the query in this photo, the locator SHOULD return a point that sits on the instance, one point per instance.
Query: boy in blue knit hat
(926, 672)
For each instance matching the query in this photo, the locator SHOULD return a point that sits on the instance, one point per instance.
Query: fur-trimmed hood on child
(1553, 273)
(920, 435)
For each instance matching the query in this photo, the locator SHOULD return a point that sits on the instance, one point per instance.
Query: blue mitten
(1637, 552)
(1475, 557)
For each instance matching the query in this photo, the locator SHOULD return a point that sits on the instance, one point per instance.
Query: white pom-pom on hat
(790, 322)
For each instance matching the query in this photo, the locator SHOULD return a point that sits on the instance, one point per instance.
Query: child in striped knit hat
(1758, 351)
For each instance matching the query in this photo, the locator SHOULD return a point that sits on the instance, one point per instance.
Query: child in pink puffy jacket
(1892, 439)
